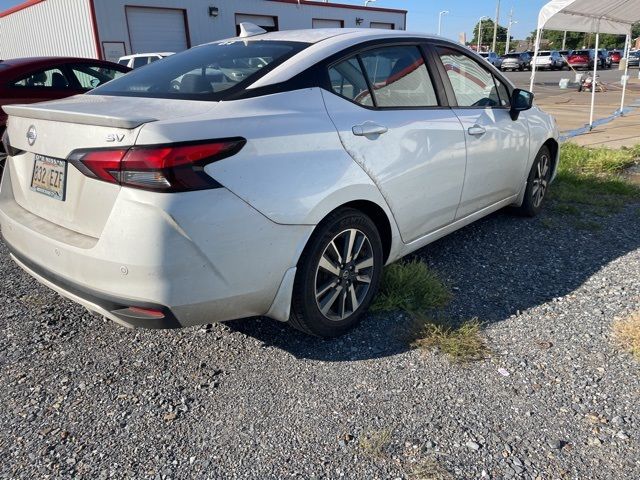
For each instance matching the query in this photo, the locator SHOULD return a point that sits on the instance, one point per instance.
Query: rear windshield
(512, 55)
(544, 54)
(580, 52)
(207, 72)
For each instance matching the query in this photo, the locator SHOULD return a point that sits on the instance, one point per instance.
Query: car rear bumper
(199, 257)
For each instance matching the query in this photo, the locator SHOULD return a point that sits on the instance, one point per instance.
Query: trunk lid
(55, 129)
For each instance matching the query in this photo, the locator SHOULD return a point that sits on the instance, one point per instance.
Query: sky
(464, 14)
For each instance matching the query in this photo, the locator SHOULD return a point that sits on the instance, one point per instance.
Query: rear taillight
(164, 168)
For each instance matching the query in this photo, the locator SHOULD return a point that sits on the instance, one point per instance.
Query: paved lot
(84, 398)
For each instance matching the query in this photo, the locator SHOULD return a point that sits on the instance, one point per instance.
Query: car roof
(137, 55)
(35, 62)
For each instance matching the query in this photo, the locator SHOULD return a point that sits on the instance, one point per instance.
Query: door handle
(477, 131)
(369, 128)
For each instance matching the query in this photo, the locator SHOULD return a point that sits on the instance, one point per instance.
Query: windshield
(511, 55)
(544, 54)
(204, 72)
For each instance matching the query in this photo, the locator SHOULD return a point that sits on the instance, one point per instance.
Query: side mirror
(521, 100)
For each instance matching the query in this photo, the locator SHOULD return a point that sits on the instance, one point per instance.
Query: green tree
(487, 33)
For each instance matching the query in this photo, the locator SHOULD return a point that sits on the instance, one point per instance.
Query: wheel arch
(554, 148)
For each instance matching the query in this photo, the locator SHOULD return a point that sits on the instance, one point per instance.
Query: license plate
(49, 177)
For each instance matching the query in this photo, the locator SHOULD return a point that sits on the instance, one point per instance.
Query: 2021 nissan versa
(274, 174)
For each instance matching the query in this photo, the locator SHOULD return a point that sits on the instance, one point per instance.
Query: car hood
(110, 111)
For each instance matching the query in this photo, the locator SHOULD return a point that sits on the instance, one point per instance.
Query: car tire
(537, 183)
(333, 291)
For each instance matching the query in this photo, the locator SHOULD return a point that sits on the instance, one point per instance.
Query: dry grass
(429, 469)
(461, 342)
(374, 442)
(627, 334)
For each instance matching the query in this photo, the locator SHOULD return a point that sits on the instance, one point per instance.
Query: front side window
(472, 85)
(52, 78)
(205, 72)
(92, 76)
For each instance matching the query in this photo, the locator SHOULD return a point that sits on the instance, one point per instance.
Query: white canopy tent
(597, 16)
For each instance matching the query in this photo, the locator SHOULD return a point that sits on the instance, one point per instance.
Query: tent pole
(627, 49)
(535, 55)
(595, 72)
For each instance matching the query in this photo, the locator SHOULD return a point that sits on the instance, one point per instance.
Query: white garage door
(157, 29)
(326, 23)
(386, 26)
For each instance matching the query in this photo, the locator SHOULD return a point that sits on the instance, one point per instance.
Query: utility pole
(495, 27)
(511, 23)
(484, 17)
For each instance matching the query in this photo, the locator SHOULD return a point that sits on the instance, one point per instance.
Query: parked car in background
(516, 61)
(141, 59)
(29, 80)
(616, 56)
(582, 59)
(281, 193)
(634, 59)
(493, 58)
(549, 59)
(564, 54)
(604, 58)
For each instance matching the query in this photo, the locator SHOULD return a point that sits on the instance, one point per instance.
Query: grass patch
(461, 342)
(412, 287)
(429, 469)
(627, 334)
(591, 181)
(416, 290)
(374, 442)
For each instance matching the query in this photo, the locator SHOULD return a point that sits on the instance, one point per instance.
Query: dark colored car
(604, 57)
(516, 61)
(582, 59)
(616, 56)
(31, 80)
(634, 59)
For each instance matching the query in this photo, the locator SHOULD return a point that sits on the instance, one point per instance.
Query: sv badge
(114, 137)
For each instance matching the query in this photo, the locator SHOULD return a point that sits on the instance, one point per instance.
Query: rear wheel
(338, 275)
(537, 183)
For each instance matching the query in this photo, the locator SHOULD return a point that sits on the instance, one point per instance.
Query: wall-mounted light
(214, 11)
(359, 20)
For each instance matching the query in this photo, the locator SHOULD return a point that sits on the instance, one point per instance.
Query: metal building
(109, 29)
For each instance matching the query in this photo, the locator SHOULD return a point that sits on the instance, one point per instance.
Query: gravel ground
(84, 398)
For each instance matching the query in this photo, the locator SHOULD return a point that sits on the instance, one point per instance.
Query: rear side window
(348, 81)
(205, 72)
(472, 85)
(140, 61)
(399, 77)
(52, 78)
(393, 77)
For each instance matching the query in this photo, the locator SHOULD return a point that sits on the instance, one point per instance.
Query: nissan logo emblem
(32, 135)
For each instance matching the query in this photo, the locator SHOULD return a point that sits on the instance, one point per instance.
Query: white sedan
(274, 175)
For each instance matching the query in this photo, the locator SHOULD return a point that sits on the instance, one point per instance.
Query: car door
(390, 114)
(497, 146)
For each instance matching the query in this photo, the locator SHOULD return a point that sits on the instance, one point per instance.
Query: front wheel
(537, 183)
(338, 274)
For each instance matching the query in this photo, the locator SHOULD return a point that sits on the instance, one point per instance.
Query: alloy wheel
(540, 181)
(344, 273)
